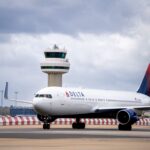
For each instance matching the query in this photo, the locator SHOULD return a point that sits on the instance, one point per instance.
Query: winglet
(6, 91)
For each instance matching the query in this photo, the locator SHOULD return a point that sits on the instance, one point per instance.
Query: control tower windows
(54, 67)
(55, 54)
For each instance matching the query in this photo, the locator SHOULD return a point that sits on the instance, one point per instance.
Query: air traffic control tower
(55, 65)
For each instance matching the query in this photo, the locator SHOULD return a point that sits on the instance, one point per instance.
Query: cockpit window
(44, 95)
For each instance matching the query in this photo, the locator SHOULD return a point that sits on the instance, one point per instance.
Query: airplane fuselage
(72, 101)
(51, 103)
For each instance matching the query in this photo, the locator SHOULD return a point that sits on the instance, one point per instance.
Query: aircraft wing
(14, 100)
(142, 108)
(116, 109)
(21, 101)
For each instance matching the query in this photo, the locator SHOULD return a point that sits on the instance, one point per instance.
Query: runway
(36, 132)
(65, 138)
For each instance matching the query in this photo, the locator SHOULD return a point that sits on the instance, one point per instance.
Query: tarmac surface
(63, 137)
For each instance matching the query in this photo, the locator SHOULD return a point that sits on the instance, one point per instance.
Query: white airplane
(51, 103)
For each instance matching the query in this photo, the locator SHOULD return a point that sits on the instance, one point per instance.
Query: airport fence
(33, 120)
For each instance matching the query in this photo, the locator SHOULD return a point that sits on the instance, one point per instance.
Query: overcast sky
(108, 42)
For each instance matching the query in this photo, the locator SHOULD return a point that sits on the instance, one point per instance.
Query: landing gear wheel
(125, 127)
(74, 125)
(46, 126)
(78, 125)
(82, 125)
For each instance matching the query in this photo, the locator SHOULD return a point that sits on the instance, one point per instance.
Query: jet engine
(127, 116)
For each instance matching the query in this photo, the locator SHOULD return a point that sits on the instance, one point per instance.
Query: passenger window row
(44, 95)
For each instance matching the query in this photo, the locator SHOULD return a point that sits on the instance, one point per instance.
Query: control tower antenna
(55, 65)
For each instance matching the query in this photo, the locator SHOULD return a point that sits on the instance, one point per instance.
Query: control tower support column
(55, 65)
(54, 79)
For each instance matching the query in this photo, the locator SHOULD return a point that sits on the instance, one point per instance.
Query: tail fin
(14, 100)
(145, 85)
(6, 91)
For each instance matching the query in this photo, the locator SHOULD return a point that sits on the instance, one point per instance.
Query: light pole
(16, 94)
(2, 97)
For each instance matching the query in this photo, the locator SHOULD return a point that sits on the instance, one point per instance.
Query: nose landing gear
(78, 124)
(46, 120)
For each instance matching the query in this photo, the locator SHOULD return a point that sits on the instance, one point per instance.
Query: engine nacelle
(127, 116)
(47, 119)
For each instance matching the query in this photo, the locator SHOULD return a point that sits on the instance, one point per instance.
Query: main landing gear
(127, 127)
(78, 124)
(46, 126)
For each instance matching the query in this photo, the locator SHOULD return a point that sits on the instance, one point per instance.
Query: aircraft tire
(46, 126)
(82, 125)
(125, 127)
(78, 125)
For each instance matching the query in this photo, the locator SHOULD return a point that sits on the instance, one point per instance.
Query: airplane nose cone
(42, 106)
(38, 106)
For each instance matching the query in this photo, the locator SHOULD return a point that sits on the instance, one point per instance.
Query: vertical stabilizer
(145, 85)
(6, 91)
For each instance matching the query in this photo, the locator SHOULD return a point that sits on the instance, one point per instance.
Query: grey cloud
(4, 38)
(71, 17)
(113, 34)
(123, 69)
(22, 70)
(109, 61)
